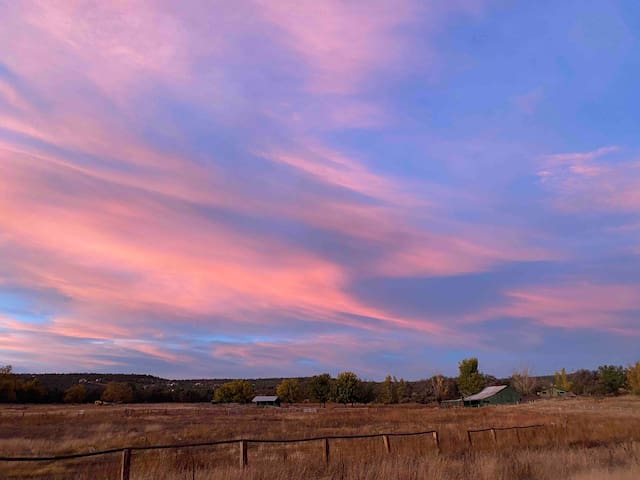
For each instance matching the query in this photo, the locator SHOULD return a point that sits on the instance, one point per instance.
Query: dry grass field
(583, 439)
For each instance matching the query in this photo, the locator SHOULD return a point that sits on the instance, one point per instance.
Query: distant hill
(62, 381)
(147, 388)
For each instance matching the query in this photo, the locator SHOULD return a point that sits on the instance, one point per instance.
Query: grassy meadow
(583, 439)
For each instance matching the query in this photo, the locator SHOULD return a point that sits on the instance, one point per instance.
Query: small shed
(552, 392)
(496, 395)
(451, 403)
(266, 401)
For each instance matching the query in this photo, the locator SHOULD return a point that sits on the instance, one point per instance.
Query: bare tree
(523, 381)
(439, 387)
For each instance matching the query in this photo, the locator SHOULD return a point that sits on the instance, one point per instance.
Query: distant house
(266, 401)
(497, 395)
(555, 392)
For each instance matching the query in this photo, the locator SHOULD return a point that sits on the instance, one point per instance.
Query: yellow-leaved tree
(633, 378)
(289, 390)
(561, 381)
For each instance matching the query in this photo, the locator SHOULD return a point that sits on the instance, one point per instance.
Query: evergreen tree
(611, 378)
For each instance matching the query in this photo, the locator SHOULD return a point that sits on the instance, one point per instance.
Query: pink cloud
(346, 44)
(334, 168)
(115, 46)
(93, 210)
(577, 157)
(331, 351)
(31, 349)
(441, 255)
(588, 182)
(413, 251)
(575, 305)
(342, 43)
(112, 243)
(160, 352)
(117, 249)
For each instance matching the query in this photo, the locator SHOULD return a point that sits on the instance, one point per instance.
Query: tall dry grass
(582, 438)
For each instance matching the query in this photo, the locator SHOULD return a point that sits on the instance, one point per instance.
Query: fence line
(209, 444)
(244, 443)
(505, 428)
(493, 431)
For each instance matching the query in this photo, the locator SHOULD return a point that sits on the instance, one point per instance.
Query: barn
(497, 395)
(266, 401)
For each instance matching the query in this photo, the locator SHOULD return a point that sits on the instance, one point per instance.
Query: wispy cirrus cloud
(606, 307)
(342, 44)
(204, 184)
(593, 181)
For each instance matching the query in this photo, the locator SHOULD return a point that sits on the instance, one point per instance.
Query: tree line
(346, 388)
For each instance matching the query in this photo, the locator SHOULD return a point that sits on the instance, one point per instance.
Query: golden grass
(583, 439)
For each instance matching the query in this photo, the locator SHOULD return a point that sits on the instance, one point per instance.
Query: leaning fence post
(387, 445)
(518, 435)
(469, 438)
(325, 442)
(243, 454)
(126, 464)
(436, 439)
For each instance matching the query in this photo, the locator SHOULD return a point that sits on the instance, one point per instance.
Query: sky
(266, 189)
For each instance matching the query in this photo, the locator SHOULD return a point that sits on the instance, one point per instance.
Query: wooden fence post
(518, 435)
(243, 454)
(126, 464)
(436, 439)
(469, 438)
(495, 438)
(326, 452)
(387, 445)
